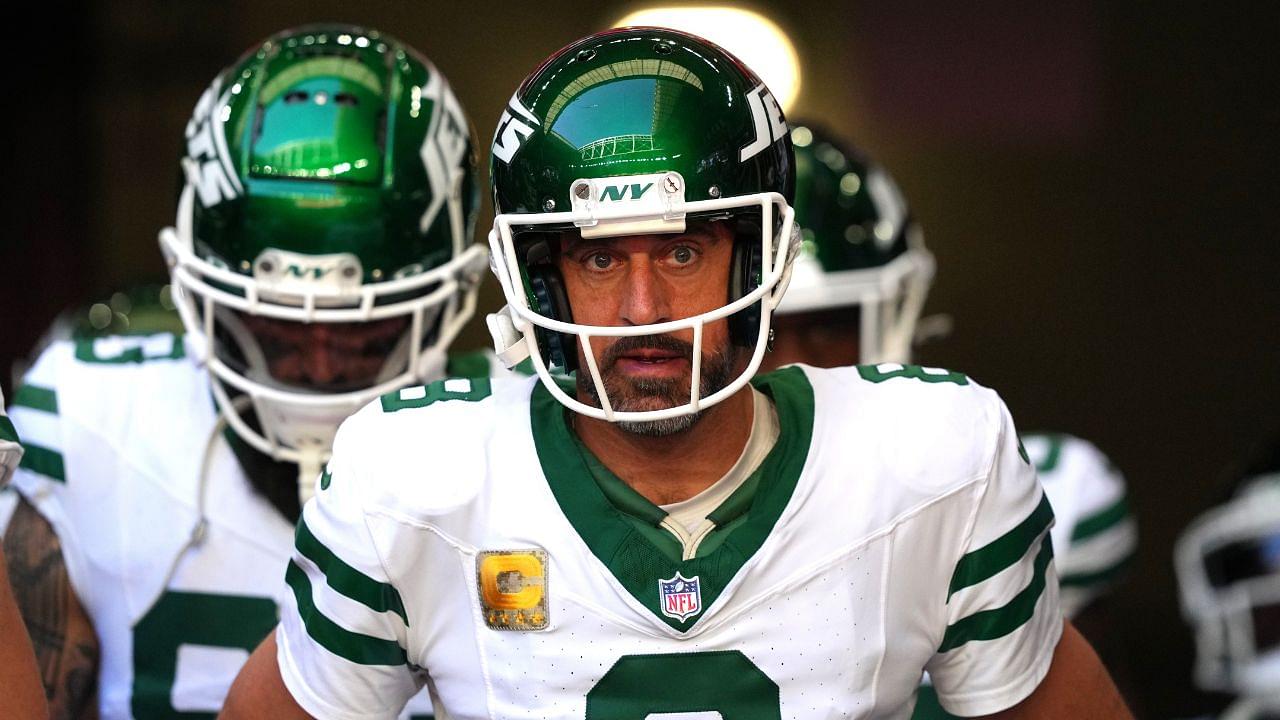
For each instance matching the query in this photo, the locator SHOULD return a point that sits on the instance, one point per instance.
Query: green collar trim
(607, 514)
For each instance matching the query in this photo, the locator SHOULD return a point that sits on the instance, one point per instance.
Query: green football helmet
(637, 131)
(861, 248)
(330, 187)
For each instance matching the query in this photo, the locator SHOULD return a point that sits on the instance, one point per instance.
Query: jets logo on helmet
(769, 123)
(512, 131)
(208, 164)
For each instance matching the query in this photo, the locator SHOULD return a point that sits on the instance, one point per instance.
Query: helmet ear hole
(547, 285)
(745, 274)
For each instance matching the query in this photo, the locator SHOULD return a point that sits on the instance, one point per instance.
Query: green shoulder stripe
(1003, 552)
(468, 364)
(1101, 521)
(375, 595)
(998, 622)
(7, 431)
(1098, 578)
(43, 461)
(356, 647)
(37, 398)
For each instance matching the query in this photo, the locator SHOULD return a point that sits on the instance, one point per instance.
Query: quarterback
(321, 256)
(856, 291)
(664, 534)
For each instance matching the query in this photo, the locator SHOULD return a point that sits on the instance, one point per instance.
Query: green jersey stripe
(998, 622)
(356, 647)
(375, 595)
(37, 398)
(1003, 552)
(1097, 578)
(1050, 460)
(43, 461)
(7, 431)
(1101, 521)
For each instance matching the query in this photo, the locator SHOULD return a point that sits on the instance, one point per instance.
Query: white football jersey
(179, 566)
(463, 538)
(10, 450)
(1095, 536)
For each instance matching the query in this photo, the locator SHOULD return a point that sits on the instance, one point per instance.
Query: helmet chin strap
(310, 460)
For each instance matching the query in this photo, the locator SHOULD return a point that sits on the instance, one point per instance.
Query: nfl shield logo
(680, 597)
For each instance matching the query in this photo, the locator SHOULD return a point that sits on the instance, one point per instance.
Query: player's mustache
(625, 345)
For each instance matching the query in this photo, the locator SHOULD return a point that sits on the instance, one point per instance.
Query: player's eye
(599, 260)
(682, 255)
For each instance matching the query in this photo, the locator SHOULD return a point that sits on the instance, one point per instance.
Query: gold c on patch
(513, 589)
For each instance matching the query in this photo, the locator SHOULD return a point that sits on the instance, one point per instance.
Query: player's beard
(641, 394)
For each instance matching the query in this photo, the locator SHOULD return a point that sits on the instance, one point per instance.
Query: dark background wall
(1096, 178)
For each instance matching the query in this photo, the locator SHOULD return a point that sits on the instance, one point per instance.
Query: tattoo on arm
(61, 633)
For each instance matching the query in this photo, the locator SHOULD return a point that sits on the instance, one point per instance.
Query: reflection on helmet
(329, 182)
(861, 248)
(638, 131)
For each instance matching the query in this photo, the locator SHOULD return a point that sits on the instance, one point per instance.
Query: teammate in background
(856, 293)
(322, 255)
(686, 539)
(1228, 566)
(23, 696)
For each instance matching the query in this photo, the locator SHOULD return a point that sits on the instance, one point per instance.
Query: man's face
(647, 279)
(335, 357)
(822, 338)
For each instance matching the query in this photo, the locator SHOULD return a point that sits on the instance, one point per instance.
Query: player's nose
(646, 297)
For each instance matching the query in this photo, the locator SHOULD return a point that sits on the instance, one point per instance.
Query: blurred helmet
(1228, 566)
(861, 248)
(330, 199)
(629, 132)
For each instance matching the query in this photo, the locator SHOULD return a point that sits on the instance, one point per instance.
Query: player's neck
(671, 468)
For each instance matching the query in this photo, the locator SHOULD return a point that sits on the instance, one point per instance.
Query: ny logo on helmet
(614, 193)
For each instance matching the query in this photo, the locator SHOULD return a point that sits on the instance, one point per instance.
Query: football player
(23, 696)
(685, 539)
(1228, 566)
(322, 255)
(856, 292)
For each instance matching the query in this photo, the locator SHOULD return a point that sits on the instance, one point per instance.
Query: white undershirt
(691, 513)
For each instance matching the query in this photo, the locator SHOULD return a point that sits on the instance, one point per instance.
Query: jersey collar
(620, 526)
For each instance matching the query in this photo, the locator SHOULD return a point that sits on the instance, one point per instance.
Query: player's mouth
(652, 363)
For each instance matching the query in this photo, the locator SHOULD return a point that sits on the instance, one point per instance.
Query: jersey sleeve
(10, 449)
(1104, 536)
(343, 628)
(1002, 613)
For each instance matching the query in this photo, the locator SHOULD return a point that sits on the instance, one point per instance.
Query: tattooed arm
(23, 696)
(65, 644)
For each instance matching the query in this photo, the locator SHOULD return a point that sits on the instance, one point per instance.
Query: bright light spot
(884, 231)
(321, 98)
(99, 316)
(754, 38)
(801, 136)
(341, 168)
(850, 184)
(226, 113)
(121, 303)
(362, 163)
(344, 39)
(362, 42)
(235, 89)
